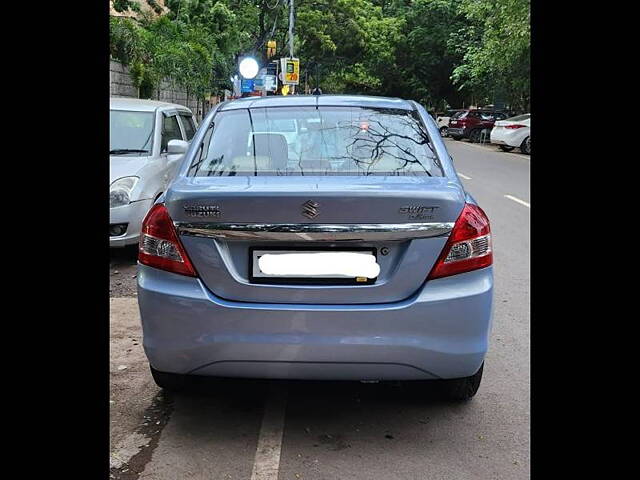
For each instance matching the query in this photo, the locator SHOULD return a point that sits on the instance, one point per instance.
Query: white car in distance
(147, 140)
(442, 120)
(514, 132)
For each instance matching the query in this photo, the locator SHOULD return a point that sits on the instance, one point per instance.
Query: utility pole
(291, 28)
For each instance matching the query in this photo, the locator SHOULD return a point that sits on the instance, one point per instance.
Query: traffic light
(271, 48)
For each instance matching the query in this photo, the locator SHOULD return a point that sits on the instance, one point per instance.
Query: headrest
(273, 145)
(248, 164)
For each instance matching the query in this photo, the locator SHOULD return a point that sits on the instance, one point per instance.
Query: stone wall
(121, 85)
(120, 81)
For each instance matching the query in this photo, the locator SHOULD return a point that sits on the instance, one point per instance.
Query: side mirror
(177, 147)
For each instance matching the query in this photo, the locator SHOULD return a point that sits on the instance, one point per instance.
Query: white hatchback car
(513, 132)
(442, 119)
(147, 141)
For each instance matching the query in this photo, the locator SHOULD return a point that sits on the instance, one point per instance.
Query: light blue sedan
(356, 255)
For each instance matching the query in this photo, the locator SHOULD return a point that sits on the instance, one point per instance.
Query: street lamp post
(291, 29)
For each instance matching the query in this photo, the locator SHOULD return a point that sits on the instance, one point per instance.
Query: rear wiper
(119, 151)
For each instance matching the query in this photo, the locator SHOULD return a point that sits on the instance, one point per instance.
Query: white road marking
(522, 202)
(464, 176)
(267, 460)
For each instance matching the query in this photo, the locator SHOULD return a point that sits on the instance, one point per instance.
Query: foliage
(497, 58)
(425, 56)
(129, 43)
(194, 47)
(353, 42)
(124, 5)
(440, 52)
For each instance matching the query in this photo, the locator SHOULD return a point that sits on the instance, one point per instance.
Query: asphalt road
(315, 430)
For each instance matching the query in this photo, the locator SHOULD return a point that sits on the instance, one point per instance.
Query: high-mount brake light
(468, 247)
(160, 246)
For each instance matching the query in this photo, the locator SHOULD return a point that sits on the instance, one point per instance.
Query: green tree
(125, 5)
(426, 59)
(353, 41)
(439, 52)
(496, 62)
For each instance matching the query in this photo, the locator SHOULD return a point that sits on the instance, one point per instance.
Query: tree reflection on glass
(353, 141)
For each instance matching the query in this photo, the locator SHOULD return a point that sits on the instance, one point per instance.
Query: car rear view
(457, 124)
(321, 238)
(514, 132)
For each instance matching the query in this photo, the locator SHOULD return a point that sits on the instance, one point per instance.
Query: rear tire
(462, 389)
(173, 382)
(526, 146)
(474, 136)
(506, 148)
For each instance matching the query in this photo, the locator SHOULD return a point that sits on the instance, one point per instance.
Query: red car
(470, 124)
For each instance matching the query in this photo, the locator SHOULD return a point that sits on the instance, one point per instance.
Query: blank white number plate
(311, 264)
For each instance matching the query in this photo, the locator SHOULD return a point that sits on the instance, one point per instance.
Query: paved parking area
(335, 430)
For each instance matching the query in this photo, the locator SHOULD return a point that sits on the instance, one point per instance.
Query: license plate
(309, 266)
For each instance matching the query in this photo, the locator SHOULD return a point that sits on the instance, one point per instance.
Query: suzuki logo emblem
(310, 209)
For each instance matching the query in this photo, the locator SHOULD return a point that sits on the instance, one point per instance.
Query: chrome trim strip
(314, 232)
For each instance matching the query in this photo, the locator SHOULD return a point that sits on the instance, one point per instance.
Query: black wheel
(443, 131)
(461, 389)
(505, 148)
(526, 146)
(170, 381)
(474, 136)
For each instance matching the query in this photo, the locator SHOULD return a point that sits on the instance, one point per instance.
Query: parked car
(358, 257)
(473, 123)
(147, 139)
(442, 119)
(514, 132)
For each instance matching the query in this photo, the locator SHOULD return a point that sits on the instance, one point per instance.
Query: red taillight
(468, 247)
(513, 127)
(159, 244)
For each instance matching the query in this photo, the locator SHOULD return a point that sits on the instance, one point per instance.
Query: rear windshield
(316, 141)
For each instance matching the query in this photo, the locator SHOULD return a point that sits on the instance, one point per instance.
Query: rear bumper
(440, 332)
(456, 132)
(503, 136)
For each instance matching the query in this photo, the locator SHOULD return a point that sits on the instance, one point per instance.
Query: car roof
(141, 105)
(322, 100)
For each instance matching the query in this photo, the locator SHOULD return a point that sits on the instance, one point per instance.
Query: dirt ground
(131, 387)
(122, 272)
